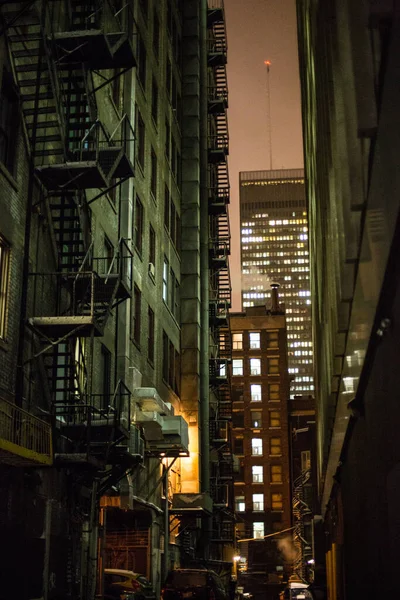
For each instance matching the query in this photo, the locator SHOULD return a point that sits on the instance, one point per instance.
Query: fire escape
(222, 535)
(59, 52)
(301, 514)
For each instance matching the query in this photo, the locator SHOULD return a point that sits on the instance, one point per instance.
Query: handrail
(85, 257)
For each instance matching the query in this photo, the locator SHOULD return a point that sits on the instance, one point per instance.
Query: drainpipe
(204, 276)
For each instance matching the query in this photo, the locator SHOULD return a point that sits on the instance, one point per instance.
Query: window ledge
(8, 176)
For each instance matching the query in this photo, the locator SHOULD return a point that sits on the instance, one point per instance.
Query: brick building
(260, 393)
(114, 291)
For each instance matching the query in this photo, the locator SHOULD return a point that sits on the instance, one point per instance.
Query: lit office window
(258, 530)
(256, 419)
(255, 366)
(237, 341)
(256, 447)
(257, 474)
(258, 502)
(237, 366)
(240, 505)
(255, 392)
(254, 339)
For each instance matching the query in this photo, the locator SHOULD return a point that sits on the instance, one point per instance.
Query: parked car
(193, 584)
(118, 582)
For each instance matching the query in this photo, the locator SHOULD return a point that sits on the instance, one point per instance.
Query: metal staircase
(300, 511)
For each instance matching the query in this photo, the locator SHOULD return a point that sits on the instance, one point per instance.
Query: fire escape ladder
(217, 46)
(300, 511)
(37, 84)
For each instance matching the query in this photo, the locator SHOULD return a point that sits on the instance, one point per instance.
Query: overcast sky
(260, 30)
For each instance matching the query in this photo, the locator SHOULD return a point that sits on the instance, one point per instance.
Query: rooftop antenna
(268, 63)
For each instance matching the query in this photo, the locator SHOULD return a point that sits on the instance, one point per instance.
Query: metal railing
(19, 427)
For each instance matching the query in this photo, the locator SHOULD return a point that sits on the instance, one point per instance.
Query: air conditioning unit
(152, 270)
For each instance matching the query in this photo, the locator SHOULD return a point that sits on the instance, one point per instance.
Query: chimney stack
(274, 298)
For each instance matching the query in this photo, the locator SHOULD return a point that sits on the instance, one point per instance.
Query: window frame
(257, 447)
(137, 314)
(276, 474)
(235, 365)
(150, 335)
(138, 225)
(253, 371)
(259, 501)
(256, 397)
(273, 445)
(254, 345)
(255, 476)
(258, 530)
(237, 344)
(5, 263)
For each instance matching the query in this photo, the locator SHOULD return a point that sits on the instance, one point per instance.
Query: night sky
(260, 30)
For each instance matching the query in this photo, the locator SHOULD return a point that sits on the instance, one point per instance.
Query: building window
(275, 448)
(273, 366)
(150, 338)
(153, 179)
(276, 501)
(137, 308)
(108, 254)
(258, 502)
(175, 295)
(254, 340)
(138, 226)
(237, 393)
(276, 473)
(256, 419)
(274, 392)
(237, 341)
(4, 285)
(154, 101)
(255, 366)
(238, 447)
(272, 339)
(240, 505)
(8, 121)
(167, 140)
(141, 135)
(237, 419)
(256, 447)
(152, 247)
(305, 460)
(258, 530)
(165, 362)
(257, 474)
(237, 366)
(173, 222)
(274, 418)
(165, 280)
(255, 392)
(167, 207)
(142, 61)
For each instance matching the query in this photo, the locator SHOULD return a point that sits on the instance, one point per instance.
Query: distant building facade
(349, 65)
(260, 394)
(274, 249)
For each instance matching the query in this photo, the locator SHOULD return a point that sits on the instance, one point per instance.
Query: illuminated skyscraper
(274, 249)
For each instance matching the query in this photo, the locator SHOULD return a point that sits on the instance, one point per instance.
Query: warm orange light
(267, 62)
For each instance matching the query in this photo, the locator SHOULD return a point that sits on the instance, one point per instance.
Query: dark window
(237, 419)
(4, 284)
(150, 344)
(138, 226)
(166, 207)
(238, 447)
(173, 222)
(152, 246)
(106, 375)
(167, 139)
(237, 393)
(171, 370)
(154, 101)
(142, 60)
(137, 308)
(178, 233)
(8, 121)
(173, 155)
(141, 138)
(108, 254)
(153, 183)
(165, 364)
